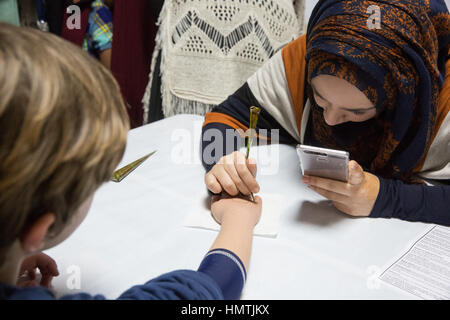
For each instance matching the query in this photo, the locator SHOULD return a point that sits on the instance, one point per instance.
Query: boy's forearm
(236, 236)
(227, 261)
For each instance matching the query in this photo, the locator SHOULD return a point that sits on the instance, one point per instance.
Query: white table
(135, 231)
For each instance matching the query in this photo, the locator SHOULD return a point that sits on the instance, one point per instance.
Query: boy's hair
(63, 129)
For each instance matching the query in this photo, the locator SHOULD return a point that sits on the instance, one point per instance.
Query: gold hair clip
(120, 174)
(254, 116)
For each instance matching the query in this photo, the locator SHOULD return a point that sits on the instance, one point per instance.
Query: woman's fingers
(330, 195)
(342, 188)
(225, 181)
(343, 208)
(356, 173)
(356, 198)
(231, 169)
(233, 174)
(356, 178)
(252, 166)
(212, 183)
(247, 172)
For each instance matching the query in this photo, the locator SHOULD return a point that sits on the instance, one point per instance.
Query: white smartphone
(325, 163)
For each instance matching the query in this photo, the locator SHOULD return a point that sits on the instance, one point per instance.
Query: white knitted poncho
(209, 48)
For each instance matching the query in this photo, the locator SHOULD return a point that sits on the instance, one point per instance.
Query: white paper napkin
(199, 216)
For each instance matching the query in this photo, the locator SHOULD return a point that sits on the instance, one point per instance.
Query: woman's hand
(233, 174)
(356, 197)
(47, 268)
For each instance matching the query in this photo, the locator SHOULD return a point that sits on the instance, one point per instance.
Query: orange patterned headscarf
(399, 66)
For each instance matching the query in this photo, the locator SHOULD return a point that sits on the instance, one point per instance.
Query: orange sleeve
(442, 110)
(444, 101)
(294, 58)
(217, 117)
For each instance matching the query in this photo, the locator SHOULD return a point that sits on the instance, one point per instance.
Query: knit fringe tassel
(183, 106)
(300, 7)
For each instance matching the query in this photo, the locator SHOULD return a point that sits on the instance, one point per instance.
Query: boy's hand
(47, 268)
(242, 211)
(355, 197)
(233, 174)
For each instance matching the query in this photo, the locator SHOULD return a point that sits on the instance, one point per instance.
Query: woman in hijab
(371, 78)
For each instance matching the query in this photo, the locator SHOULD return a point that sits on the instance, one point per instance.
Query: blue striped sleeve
(176, 285)
(227, 270)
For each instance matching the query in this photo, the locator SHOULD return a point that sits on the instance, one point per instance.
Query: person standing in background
(200, 44)
(99, 33)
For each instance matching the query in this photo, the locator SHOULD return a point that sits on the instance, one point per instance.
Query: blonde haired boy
(63, 129)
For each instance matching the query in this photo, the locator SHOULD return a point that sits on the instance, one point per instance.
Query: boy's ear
(32, 239)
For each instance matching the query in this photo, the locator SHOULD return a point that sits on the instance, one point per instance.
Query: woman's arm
(223, 134)
(267, 89)
(228, 259)
(368, 195)
(279, 122)
(219, 135)
(413, 202)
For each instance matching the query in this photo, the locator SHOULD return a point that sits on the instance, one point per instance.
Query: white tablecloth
(135, 231)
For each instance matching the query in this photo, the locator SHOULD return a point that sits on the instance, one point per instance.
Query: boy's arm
(236, 236)
(227, 261)
(222, 272)
(238, 218)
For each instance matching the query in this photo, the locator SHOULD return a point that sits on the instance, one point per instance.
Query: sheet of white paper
(200, 216)
(424, 268)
